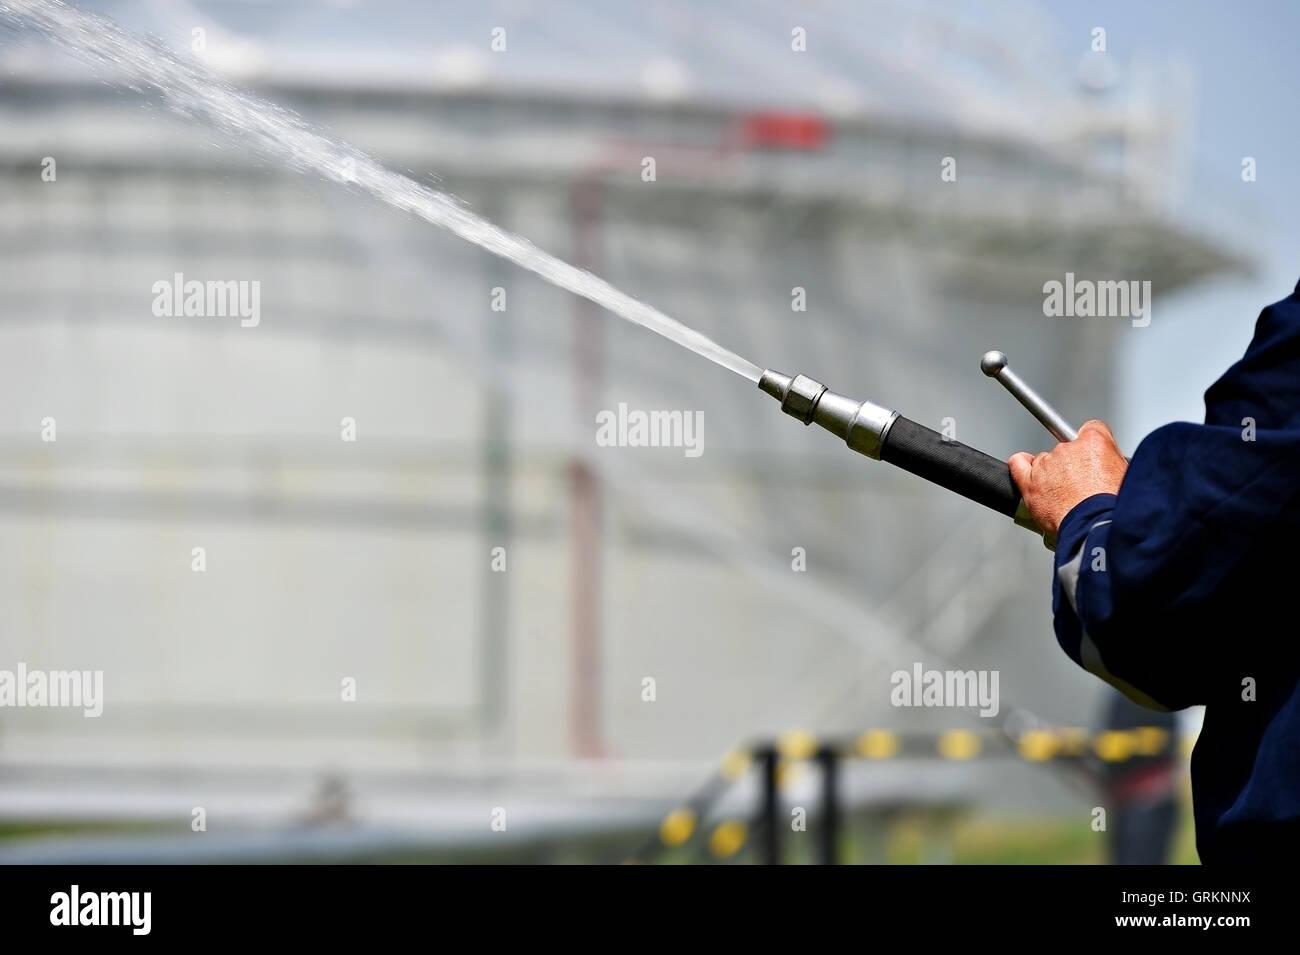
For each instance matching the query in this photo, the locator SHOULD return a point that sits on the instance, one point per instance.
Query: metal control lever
(994, 364)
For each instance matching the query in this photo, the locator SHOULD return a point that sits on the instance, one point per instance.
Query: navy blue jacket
(1178, 591)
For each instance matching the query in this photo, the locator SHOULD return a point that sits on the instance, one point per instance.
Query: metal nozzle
(862, 424)
(865, 427)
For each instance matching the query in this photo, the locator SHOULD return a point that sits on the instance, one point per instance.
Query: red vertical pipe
(585, 735)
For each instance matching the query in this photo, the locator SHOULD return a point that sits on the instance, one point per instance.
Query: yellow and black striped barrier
(1035, 746)
(780, 760)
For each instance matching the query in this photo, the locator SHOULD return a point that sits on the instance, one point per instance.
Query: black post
(769, 824)
(830, 828)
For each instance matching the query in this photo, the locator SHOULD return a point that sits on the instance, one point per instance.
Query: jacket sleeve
(1145, 581)
(1081, 590)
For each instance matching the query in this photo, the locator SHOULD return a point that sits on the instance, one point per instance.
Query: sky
(1247, 77)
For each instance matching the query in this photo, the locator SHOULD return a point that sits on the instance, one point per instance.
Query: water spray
(191, 89)
(883, 434)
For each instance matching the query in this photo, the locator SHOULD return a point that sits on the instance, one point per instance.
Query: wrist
(1079, 520)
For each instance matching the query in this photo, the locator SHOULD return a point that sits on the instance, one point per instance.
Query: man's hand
(1054, 481)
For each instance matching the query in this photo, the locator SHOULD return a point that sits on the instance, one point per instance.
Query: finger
(1022, 466)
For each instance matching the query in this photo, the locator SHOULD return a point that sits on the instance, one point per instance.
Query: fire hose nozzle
(862, 425)
(885, 435)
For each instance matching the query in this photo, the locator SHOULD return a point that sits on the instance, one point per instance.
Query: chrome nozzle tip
(992, 363)
(798, 395)
(775, 384)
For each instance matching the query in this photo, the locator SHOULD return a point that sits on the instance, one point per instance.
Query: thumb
(1021, 464)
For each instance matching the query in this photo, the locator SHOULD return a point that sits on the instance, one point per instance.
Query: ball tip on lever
(993, 362)
(996, 366)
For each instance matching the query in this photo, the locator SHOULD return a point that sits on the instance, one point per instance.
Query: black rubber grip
(973, 474)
